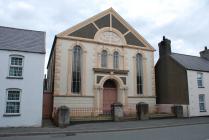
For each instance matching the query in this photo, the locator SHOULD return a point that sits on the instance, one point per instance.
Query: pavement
(95, 127)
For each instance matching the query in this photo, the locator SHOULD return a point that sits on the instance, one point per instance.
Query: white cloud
(20, 5)
(159, 12)
(185, 22)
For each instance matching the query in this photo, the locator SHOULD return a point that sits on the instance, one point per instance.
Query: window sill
(11, 114)
(10, 77)
(139, 94)
(76, 94)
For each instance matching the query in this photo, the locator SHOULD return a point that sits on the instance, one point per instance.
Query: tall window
(16, 66)
(13, 101)
(202, 102)
(200, 80)
(116, 60)
(104, 59)
(76, 70)
(139, 74)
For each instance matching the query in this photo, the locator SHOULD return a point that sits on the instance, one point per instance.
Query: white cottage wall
(194, 93)
(31, 86)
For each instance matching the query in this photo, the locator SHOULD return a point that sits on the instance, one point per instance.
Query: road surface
(187, 132)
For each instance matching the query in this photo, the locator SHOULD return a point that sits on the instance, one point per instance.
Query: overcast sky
(184, 22)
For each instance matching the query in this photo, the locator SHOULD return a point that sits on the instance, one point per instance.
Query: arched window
(139, 74)
(115, 60)
(104, 59)
(76, 70)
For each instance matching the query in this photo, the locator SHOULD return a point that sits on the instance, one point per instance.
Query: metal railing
(102, 114)
(90, 114)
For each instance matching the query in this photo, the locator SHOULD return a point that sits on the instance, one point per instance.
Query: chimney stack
(164, 47)
(205, 53)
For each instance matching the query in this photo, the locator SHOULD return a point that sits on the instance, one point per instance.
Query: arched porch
(110, 90)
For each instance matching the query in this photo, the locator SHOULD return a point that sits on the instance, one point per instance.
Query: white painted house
(182, 80)
(199, 93)
(22, 54)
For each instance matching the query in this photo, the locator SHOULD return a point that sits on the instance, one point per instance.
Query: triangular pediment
(107, 20)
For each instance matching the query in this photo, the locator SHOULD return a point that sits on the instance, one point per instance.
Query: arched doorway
(109, 94)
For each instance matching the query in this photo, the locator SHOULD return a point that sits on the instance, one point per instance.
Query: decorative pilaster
(123, 95)
(134, 75)
(121, 62)
(84, 73)
(69, 78)
(110, 61)
(98, 96)
(57, 72)
(98, 60)
(144, 59)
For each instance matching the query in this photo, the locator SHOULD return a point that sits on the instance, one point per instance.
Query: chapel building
(101, 61)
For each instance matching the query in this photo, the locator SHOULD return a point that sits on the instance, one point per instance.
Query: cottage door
(109, 95)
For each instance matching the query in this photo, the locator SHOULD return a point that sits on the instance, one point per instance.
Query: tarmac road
(187, 132)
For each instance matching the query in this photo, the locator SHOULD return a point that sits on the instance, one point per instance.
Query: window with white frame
(104, 59)
(76, 70)
(13, 101)
(16, 66)
(200, 80)
(139, 74)
(115, 60)
(202, 102)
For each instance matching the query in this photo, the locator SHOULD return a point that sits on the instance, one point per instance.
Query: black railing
(90, 114)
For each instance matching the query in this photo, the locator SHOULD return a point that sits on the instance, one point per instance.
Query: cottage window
(104, 59)
(200, 80)
(76, 70)
(16, 66)
(13, 101)
(139, 74)
(115, 60)
(202, 103)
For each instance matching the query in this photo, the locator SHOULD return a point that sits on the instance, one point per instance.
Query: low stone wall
(150, 101)
(166, 108)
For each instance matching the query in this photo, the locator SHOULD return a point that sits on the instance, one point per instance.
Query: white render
(194, 92)
(93, 75)
(31, 86)
(192, 110)
(91, 60)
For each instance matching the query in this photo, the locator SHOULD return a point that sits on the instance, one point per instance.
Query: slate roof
(191, 62)
(14, 39)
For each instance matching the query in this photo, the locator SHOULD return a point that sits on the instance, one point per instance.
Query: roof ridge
(187, 55)
(21, 29)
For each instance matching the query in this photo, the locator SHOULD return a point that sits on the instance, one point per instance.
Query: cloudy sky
(185, 22)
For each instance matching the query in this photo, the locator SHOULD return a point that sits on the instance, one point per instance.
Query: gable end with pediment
(119, 31)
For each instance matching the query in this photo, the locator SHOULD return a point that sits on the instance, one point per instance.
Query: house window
(139, 74)
(16, 66)
(202, 102)
(115, 60)
(200, 80)
(13, 101)
(76, 70)
(104, 59)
